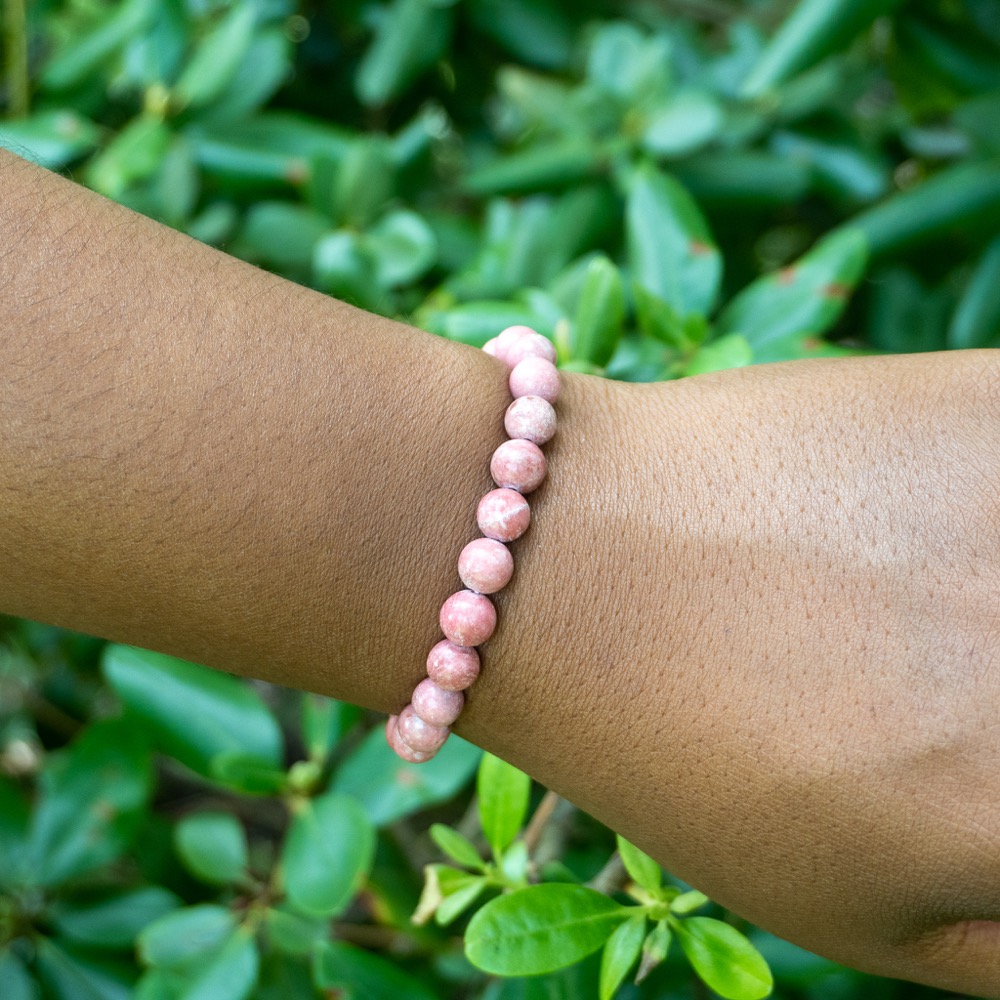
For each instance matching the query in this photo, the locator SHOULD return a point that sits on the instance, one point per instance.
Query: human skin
(753, 626)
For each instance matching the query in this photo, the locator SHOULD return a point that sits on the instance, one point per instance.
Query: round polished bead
(393, 739)
(535, 377)
(506, 339)
(531, 345)
(419, 735)
(485, 565)
(531, 418)
(518, 465)
(490, 347)
(451, 667)
(503, 514)
(436, 705)
(468, 619)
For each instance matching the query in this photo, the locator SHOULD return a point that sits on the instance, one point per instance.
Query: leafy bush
(663, 190)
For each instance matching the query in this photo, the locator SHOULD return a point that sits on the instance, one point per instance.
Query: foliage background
(663, 188)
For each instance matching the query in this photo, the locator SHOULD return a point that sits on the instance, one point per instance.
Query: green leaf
(50, 138)
(363, 181)
(226, 973)
(620, 953)
(294, 933)
(324, 722)
(17, 983)
(116, 921)
(80, 57)
(670, 249)
(92, 797)
(457, 902)
(14, 822)
(976, 322)
(804, 299)
(728, 351)
(212, 846)
(66, 974)
(281, 234)
(815, 29)
(600, 314)
(218, 57)
(688, 121)
(553, 165)
(540, 929)
(341, 970)
(403, 248)
(342, 266)
(410, 38)
(134, 154)
(503, 793)
(726, 961)
(194, 713)
(242, 773)
(327, 854)
(688, 902)
(457, 847)
(185, 935)
(641, 867)
(389, 788)
(744, 178)
(441, 883)
(956, 201)
(654, 949)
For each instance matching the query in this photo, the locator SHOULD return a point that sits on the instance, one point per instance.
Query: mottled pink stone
(393, 739)
(468, 619)
(531, 345)
(485, 565)
(535, 377)
(506, 339)
(503, 515)
(452, 667)
(419, 735)
(490, 347)
(436, 705)
(531, 418)
(518, 465)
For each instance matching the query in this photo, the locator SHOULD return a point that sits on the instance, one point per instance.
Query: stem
(16, 51)
(539, 820)
(611, 878)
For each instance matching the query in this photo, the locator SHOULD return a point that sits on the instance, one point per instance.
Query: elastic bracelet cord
(485, 565)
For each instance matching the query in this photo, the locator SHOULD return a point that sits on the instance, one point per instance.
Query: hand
(767, 648)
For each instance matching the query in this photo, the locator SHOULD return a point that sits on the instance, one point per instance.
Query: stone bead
(506, 339)
(490, 347)
(419, 735)
(535, 377)
(531, 345)
(393, 739)
(518, 465)
(485, 565)
(531, 418)
(468, 619)
(451, 667)
(503, 515)
(436, 705)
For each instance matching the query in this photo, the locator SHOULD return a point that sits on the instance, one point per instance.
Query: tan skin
(753, 626)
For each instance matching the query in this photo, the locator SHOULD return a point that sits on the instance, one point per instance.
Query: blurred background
(664, 189)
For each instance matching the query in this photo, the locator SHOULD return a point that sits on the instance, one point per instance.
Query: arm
(752, 626)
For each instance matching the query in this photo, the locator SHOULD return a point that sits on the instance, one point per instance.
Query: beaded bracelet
(485, 565)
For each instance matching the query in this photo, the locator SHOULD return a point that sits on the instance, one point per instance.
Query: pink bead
(419, 735)
(503, 515)
(535, 377)
(452, 667)
(436, 705)
(531, 418)
(531, 345)
(490, 347)
(485, 565)
(394, 741)
(518, 465)
(506, 339)
(467, 618)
